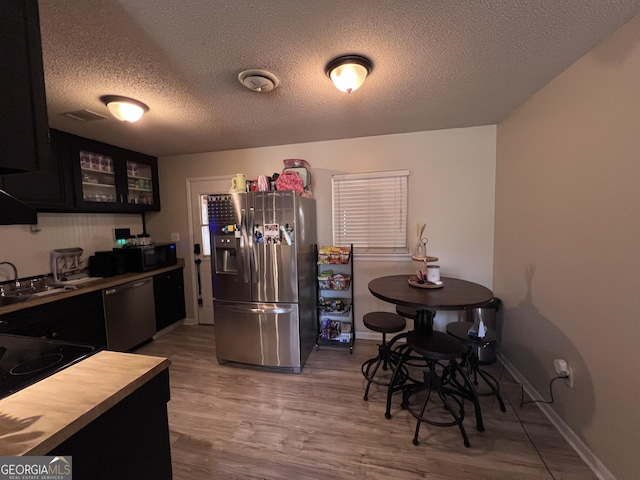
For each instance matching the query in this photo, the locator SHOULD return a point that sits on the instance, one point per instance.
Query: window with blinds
(370, 211)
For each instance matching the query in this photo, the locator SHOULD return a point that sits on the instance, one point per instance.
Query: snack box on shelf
(333, 255)
(345, 333)
(339, 306)
(331, 329)
(334, 282)
(336, 330)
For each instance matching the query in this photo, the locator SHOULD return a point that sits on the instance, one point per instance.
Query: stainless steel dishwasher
(130, 315)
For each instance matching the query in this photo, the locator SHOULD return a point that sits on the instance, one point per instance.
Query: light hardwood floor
(233, 423)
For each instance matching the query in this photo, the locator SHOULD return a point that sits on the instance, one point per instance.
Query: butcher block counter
(106, 410)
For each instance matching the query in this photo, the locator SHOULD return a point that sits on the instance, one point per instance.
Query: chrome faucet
(15, 273)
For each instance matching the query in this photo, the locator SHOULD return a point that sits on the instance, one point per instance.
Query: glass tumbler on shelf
(85, 159)
(95, 162)
(106, 164)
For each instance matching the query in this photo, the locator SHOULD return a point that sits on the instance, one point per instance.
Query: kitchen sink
(10, 299)
(23, 294)
(48, 291)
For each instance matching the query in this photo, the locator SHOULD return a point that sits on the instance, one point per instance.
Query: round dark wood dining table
(455, 294)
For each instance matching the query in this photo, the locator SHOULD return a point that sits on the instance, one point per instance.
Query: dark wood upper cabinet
(113, 179)
(51, 187)
(88, 176)
(58, 177)
(24, 140)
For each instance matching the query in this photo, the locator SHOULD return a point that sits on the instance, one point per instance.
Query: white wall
(30, 251)
(567, 235)
(451, 189)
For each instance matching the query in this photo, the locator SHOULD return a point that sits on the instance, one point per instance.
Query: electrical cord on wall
(526, 432)
(524, 424)
(522, 402)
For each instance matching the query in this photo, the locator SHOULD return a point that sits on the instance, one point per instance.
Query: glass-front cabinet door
(139, 183)
(98, 178)
(113, 179)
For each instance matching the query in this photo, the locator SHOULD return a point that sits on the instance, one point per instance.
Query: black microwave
(149, 257)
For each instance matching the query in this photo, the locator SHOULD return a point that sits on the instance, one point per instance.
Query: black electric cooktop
(27, 360)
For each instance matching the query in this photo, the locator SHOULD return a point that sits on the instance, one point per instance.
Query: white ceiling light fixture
(258, 80)
(348, 72)
(125, 109)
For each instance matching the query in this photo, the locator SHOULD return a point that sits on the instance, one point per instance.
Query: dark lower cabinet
(129, 441)
(168, 292)
(77, 319)
(81, 319)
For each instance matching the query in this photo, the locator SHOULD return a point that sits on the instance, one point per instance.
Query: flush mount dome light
(258, 80)
(123, 108)
(348, 72)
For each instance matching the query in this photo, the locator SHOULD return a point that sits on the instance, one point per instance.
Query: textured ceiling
(437, 65)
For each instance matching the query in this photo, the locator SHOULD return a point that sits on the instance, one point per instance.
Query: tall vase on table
(421, 243)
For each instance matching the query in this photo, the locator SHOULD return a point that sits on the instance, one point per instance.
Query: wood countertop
(89, 286)
(36, 419)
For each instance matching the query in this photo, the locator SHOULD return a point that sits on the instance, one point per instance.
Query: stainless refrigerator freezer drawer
(262, 334)
(130, 314)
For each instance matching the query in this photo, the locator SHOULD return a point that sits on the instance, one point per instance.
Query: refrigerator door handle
(252, 252)
(245, 234)
(274, 310)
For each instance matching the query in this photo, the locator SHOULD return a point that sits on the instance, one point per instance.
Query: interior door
(201, 273)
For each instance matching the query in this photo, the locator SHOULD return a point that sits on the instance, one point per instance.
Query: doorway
(197, 191)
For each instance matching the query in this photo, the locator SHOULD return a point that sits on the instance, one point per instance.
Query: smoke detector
(258, 80)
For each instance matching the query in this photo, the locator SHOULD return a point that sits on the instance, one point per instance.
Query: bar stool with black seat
(382, 322)
(440, 377)
(471, 361)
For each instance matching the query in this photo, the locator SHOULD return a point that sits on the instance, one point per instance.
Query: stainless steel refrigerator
(263, 274)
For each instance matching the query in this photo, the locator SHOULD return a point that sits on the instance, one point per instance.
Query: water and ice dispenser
(223, 220)
(226, 258)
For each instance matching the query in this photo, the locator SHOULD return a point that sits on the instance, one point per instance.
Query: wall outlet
(564, 370)
(561, 367)
(175, 237)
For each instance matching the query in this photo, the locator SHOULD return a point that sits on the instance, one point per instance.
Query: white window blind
(370, 211)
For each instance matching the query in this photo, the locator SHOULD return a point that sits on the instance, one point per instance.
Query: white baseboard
(578, 445)
(368, 336)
